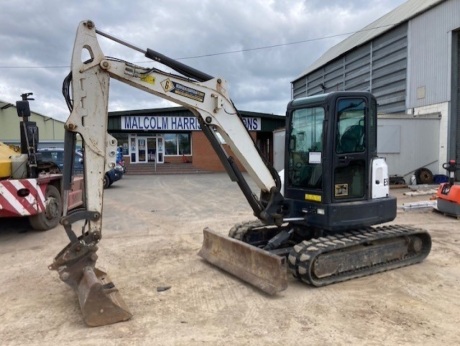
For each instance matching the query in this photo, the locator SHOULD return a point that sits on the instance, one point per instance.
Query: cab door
(350, 156)
(304, 169)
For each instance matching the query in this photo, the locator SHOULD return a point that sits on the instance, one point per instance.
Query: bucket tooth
(260, 268)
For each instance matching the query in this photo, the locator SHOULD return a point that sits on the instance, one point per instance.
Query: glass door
(151, 149)
(350, 158)
(133, 149)
(141, 150)
(160, 151)
(305, 149)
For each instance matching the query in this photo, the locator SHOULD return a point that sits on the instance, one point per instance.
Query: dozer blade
(100, 301)
(260, 268)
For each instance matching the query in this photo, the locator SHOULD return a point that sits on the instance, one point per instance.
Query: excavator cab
(332, 173)
(335, 189)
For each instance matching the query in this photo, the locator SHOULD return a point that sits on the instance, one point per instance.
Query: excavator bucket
(100, 301)
(260, 268)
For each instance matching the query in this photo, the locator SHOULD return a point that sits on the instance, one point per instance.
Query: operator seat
(352, 139)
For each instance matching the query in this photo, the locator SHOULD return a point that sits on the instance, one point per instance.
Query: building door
(152, 149)
(160, 151)
(133, 149)
(141, 149)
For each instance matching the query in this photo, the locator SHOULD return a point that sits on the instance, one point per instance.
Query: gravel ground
(152, 233)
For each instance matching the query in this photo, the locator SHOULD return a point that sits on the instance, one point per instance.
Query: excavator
(315, 221)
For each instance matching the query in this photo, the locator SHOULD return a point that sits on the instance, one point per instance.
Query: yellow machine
(6, 153)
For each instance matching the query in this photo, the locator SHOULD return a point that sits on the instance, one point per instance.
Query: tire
(107, 182)
(424, 176)
(52, 215)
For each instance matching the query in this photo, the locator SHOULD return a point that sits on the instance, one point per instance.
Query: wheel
(53, 211)
(107, 182)
(424, 176)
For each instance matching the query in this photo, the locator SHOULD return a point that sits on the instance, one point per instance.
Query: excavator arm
(206, 97)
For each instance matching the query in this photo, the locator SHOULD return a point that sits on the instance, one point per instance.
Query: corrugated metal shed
(378, 66)
(403, 13)
(430, 67)
(50, 130)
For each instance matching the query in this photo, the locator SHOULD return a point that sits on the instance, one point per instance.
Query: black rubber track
(302, 257)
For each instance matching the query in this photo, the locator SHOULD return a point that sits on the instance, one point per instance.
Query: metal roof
(5, 105)
(180, 109)
(399, 15)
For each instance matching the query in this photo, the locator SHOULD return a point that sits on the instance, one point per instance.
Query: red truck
(30, 187)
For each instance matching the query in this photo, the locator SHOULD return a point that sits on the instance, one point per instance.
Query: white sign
(314, 157)
(252, 124)
(163, 123)
(159, 123)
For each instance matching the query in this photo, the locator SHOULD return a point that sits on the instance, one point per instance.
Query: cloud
(37, 40)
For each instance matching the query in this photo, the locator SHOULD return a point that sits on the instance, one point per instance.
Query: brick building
(170, 139)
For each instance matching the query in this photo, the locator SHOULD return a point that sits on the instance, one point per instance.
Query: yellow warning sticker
(314, 198)
(148, 79)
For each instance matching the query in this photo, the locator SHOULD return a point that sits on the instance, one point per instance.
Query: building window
(171, 144)
(177, 144)
(122, 139)
(184, 144)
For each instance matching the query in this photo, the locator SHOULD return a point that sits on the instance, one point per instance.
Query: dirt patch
(152, 233)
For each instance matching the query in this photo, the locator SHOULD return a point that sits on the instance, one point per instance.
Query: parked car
(56, 156)
(113, 175)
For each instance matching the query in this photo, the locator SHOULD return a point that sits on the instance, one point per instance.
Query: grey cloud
(41, 34)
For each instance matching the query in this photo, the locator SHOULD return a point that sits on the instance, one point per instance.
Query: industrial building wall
(50, 130)
(430, 49)
(412, 69)
(409, 143)
(433, 72)
(379, 66)
(454, 119)
(443, 132)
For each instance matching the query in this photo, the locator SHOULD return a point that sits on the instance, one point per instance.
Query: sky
(258, 46)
